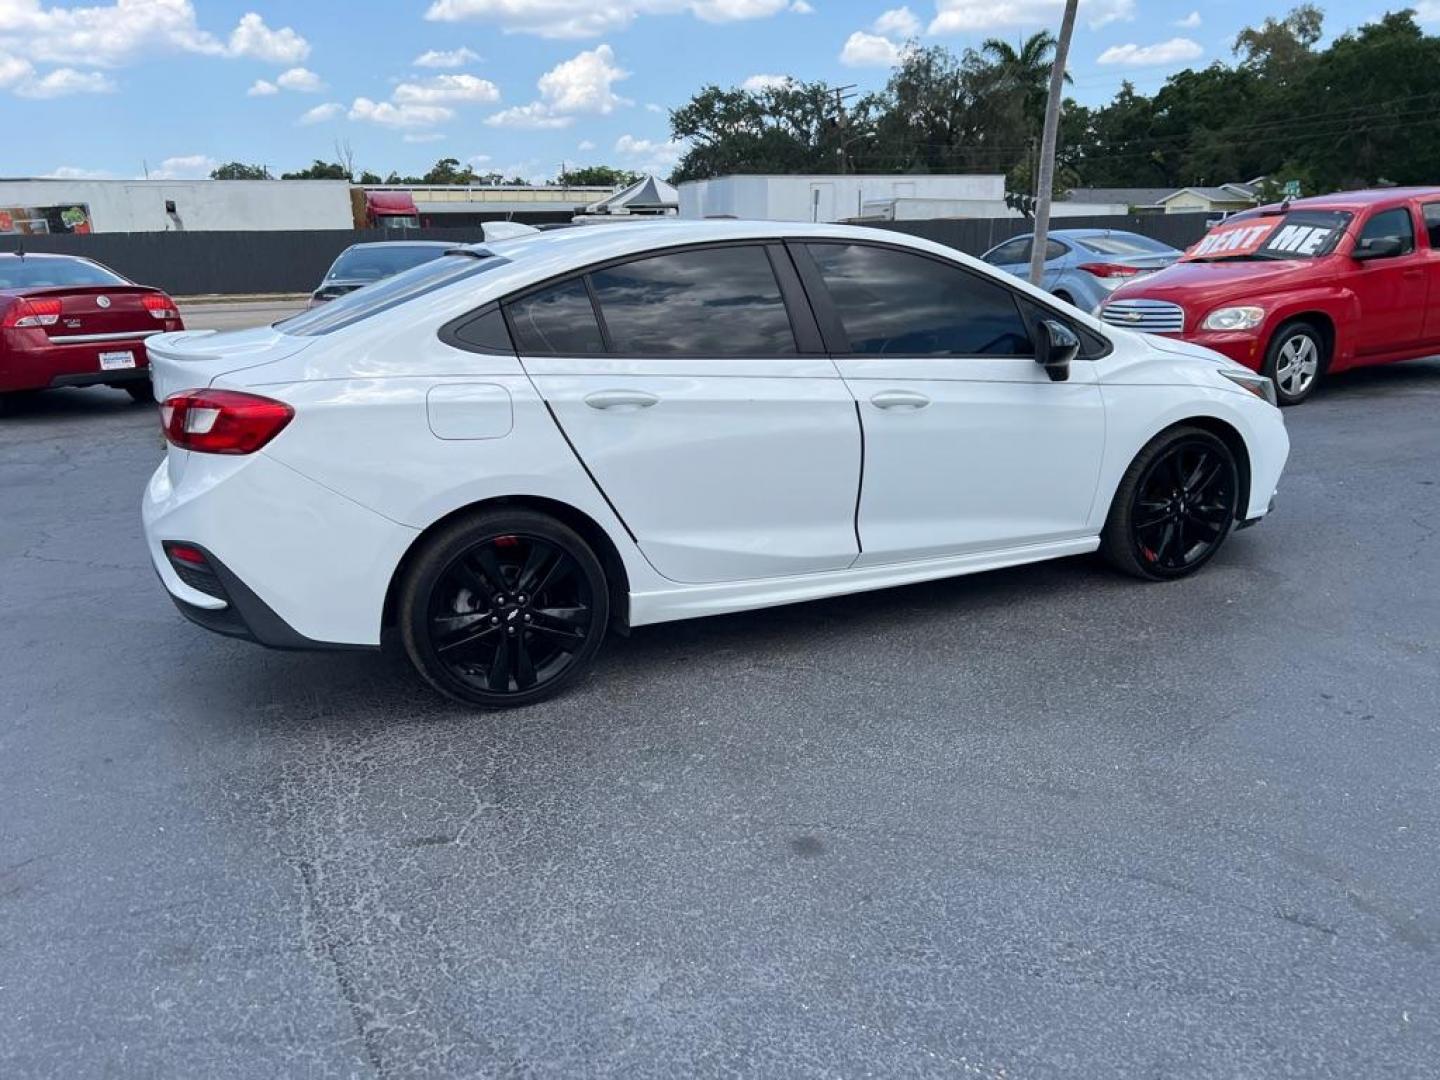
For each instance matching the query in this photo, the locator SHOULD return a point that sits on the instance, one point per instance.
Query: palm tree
(1026, 71)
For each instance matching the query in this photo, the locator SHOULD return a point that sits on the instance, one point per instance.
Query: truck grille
(1150, 316)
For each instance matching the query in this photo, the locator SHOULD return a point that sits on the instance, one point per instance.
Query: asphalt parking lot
(1046, 822)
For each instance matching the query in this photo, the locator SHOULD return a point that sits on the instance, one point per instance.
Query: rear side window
(897, 304)
(1013, 251)
(1432, 224)
(711, 302)
(559, 320)
(1391, 223)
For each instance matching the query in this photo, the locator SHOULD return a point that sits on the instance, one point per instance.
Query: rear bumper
(26, 367)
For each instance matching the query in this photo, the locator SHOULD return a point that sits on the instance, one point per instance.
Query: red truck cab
(1298, 289)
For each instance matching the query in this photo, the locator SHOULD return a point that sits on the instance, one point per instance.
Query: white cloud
(477, 159)
(321, 113)
(254, 39)
(648, 155)
(301, 79)
(870, 50)
(262, 88)
(592, 18)
(1428, 11)
(65, 81)
(897, 22)
(534, 117)
(650, 106)
(13, 69)
(111, 35)
(582, 84)
(585, 144)
(1189, 22)
(390, 115)
(1166, 52)
(74, 172)
(423, 136)
(189, 167)
(757, 83)
(446, 58)
(964, 16)
(800, 7)
(446, 89)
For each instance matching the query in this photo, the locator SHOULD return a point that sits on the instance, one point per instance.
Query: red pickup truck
(1305, 287)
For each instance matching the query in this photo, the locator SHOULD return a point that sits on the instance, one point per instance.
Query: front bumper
(1244, 347)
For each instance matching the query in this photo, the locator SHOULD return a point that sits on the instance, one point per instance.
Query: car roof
(407, 243)
(1351, 200)
(1075, 234)
(43, 255)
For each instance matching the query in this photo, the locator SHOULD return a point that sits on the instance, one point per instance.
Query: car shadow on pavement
(1397, 378)
(45, 406)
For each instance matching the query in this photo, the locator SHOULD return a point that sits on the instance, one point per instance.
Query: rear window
(1123, 244)
(19, 272)
(384, 295)
(380, 261)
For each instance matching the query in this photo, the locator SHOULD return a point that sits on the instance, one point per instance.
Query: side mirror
(1057, 347)
(1380, 247)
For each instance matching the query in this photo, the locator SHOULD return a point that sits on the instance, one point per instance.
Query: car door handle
(620, 399)
(899, 399)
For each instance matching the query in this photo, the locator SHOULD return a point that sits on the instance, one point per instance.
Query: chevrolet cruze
(506, 452)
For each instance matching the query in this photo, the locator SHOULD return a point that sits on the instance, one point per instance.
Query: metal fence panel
(196, 263)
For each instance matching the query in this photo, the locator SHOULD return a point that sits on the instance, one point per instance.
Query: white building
(47, 206)
(834, 198)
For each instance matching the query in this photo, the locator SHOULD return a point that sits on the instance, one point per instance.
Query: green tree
(597, 176)
(319, 170)
(238, 170)
(368, 177)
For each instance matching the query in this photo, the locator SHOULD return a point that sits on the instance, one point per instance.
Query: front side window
(559, 320)
(711, 302)
(898, 304)
(1391, 225)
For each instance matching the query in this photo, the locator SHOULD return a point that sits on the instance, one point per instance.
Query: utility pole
(842, 94)
(1046, 182)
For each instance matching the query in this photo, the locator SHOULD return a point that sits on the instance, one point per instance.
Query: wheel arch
(1222, 430)
(616, 577)
(1321, 321)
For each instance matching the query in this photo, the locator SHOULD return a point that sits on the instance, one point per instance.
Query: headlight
(1235, 318)
(1259, 385)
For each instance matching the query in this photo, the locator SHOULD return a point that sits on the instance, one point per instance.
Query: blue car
(1083, 266)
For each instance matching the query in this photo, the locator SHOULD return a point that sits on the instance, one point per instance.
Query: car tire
(142, 393)
(503, 608)
(1183, 479)
(1295, 361)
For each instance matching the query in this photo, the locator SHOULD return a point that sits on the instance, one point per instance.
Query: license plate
(114, 361)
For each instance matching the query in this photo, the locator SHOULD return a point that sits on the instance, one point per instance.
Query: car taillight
(222, 421)
(1110, 270)
(160, 306)
(35, 311)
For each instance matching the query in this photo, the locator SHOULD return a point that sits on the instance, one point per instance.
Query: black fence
(195, 263)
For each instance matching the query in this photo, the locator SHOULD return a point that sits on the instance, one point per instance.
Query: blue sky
(110, 87)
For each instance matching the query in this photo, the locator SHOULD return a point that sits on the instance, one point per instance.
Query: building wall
(824, 198)
(129, 206)
(1186, 202)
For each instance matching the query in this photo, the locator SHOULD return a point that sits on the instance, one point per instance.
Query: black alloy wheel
(504, 609)
(1175, 506)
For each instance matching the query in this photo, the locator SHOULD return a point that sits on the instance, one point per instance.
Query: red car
(1302, 288)
(66, 321)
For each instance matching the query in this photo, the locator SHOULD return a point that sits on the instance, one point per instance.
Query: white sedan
(504, 452)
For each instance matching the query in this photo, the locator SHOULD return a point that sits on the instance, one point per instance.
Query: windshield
(393, 291)
(30, 273)
(1300, 234)
(1123, 244)
(373, 262)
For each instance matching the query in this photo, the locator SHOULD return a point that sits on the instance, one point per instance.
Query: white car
(504, 452)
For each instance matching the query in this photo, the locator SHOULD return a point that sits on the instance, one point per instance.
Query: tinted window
(895, 303)
(375, 261)
(715, 302)
(1014, 251)
(1391, 224)
(1432, 224)
(28, 272)
(484, 333)
(1055, 250)
(559, 319)
(1124, 244)
(383, 295)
